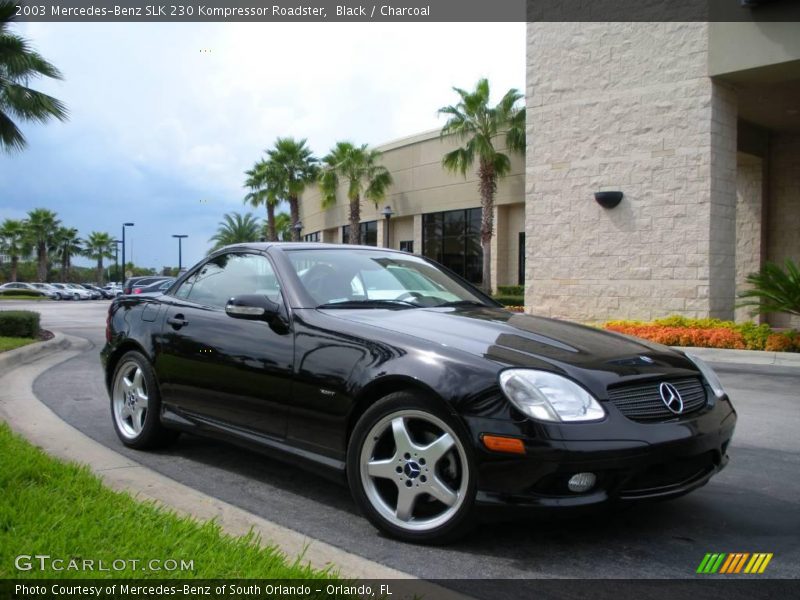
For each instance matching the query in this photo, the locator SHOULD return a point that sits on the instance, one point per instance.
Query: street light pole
(180, 254)
(124, 225)
(116, 258)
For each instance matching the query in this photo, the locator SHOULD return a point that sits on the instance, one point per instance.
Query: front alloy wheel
(414, 475)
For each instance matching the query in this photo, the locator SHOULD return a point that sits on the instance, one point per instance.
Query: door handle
(177, 321)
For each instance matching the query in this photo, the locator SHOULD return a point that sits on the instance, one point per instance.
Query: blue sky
(160, 132)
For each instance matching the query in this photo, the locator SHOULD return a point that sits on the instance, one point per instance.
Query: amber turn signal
(499, 443)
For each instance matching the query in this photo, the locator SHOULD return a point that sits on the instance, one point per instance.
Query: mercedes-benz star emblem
(671, 397)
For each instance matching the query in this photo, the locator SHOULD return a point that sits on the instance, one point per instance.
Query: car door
(226, 371)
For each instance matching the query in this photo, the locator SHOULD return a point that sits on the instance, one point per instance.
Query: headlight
(549, 397)
(708, 373)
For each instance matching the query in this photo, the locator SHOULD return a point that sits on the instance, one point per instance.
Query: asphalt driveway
(752, 506)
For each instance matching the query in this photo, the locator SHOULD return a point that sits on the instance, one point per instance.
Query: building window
(521, 259)
(453, 238)
(311, 237)
(407, 246)
(369, 233)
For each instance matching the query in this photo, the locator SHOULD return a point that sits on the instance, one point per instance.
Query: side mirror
(253, 307)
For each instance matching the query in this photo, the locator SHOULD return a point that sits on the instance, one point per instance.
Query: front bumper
(632, 461)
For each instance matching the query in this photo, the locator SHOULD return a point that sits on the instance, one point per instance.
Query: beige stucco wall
(739, 46)
(422, 186)
(749, 215)
(783, 232)
(402, 229)
(628, 106)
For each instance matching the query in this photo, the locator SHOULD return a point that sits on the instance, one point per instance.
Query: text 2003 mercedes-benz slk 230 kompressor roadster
(429, 397)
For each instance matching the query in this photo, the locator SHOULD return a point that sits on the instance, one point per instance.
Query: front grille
(642, 401)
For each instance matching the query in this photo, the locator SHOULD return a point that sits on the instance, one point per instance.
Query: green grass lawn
(9, 343)
(20, 297)
(63, 510)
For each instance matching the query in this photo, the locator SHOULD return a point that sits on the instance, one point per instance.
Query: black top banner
(407, 10)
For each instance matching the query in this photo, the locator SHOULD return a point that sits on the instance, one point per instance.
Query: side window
(230, 275)
(183, 291)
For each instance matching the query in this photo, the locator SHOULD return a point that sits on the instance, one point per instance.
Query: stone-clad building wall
(630, 107)
(749, 223)
(783, 232)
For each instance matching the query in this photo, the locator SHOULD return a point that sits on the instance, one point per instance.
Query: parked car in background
(48, 289)
(25, 289)
(115, 289)
(154, 289)
(83, 293)
(101, 293)
(66, 292)
(423, 393)
(134, 285)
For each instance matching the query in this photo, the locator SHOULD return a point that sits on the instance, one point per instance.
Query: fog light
(581, 482)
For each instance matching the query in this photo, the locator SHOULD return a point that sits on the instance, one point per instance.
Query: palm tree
(13, 242)
(99, 245)
(358, 165)
(18, 65)
(283, 226)
(66, 245)
(296, 168)
(266, 190)
(478, 125)
(40, 230)
(774, 290)
(236, 228)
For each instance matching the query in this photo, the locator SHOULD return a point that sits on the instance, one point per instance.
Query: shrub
(19, 323)
(709, 333)
(510, 300)
(779, 342)
(755, 336)
(518, 309)
(511, 290)
(709, 337)
(20, 293)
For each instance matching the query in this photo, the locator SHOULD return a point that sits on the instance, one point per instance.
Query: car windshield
(354, 278)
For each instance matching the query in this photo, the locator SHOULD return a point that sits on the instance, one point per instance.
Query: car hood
(521, 340)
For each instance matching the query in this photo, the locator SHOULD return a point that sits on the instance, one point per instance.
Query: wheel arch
(113, 359)
(384, 386)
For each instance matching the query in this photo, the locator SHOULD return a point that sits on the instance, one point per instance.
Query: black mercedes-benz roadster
(424, 393)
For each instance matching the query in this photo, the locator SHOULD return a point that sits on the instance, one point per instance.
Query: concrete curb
(12, 358)
(20, 408)
(749, 357)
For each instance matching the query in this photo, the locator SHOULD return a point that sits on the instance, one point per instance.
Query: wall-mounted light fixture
(608, 199)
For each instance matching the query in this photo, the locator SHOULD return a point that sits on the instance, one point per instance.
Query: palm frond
(19, 63)
(774, 290)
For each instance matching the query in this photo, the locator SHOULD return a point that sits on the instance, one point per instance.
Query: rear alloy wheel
(135, 404)
(411, 471)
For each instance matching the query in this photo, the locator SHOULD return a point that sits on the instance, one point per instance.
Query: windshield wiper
(461, 303)
(370, 304)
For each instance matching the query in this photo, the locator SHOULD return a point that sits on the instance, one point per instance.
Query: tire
(421, 484)
(136, 404)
